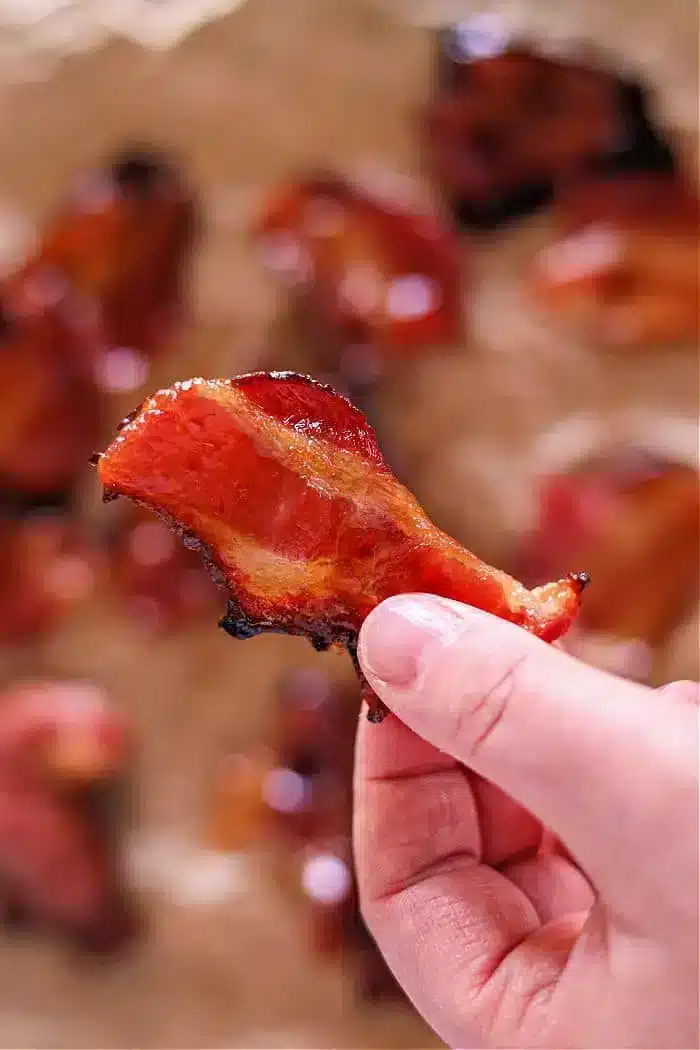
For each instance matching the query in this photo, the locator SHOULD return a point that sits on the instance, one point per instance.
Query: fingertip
(395, 752)
(396, 635)
(424, 655)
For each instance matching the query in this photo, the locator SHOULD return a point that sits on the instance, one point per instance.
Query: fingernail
(396, 635)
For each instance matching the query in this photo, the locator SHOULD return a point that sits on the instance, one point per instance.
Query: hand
(586, 936)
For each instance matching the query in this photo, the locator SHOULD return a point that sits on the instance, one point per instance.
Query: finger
(681, 693)
(507, 830)
(395, 774)
(581, 750)
(550, 844)
(414, 810)
(553, 885)
(445, 922)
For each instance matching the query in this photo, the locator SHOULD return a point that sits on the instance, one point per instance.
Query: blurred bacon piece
(309, 790)
(163, 583)
(625, 262)
(62, 750)
(47, 567)
(281, 484)
(299, 787)
(82, 316)
(237, 816)
(508, 125)
(378, 272)
(311, 796)
(636, 521)
(50, 412)
(123, 240)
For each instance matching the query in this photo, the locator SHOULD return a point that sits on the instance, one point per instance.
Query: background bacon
(61, 751)
(380, 272)
(48, 347)
(508, 126)
(623, 264)
(123, 240)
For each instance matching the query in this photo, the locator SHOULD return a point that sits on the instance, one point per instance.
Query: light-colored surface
(278, 84)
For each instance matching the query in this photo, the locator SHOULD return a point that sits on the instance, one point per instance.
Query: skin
(502, 934)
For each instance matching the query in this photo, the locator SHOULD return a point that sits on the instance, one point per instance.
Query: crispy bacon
(123, 240)
(310, 795)
(281, 483)
(51, 413)
(164, 584)
(379, 272)
(624, 262)
(61, 750)
(508, 125)
(47, 567)
(618, 512)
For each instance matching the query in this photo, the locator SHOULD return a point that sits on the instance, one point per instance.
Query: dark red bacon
(508, 125)
(623, 265)
(379, 273)
(47, 568)
(163, 583)
(282, 484)
(123, 240)
(61, 747)
(51, 408)
(617, 513)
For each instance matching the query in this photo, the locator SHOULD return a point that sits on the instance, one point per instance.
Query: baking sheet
(275, 85)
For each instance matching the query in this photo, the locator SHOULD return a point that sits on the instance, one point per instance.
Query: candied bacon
(46, 568)
(62, 750)
(51, 408)
(623, 264)
(313, 796)
(236, 814)
(280, 482)
(636, 521)
(648, 565)
(123, 240)
(163, 582)
(508, 124)
(378, 273)
(308, 791)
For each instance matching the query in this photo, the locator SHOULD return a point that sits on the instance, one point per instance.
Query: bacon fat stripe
(282, 483)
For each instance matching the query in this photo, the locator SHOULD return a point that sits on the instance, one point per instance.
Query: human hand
(587, 937)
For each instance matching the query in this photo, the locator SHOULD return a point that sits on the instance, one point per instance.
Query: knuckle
(685, 692)
(419, 830)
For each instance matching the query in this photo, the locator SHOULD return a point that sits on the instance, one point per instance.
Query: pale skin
(587, 937)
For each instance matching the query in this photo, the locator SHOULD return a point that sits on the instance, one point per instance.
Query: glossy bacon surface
(281, 482)
(378, 272)
(123, 240)
(164, 584)
(59, 745)
(47, 567)
(636, 523)
(624, 264)
(50, 411)
(508, 124)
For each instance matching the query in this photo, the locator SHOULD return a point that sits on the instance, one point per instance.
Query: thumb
(604, 763)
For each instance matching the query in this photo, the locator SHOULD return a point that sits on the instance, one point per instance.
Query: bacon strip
(379, 271)
(624, 262)
(51, 411)
(61, 750)
(123, 239)
(280, 482)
